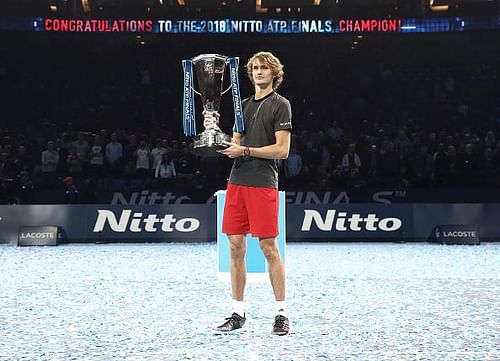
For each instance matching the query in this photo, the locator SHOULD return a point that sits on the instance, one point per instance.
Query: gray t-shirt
(263, 118)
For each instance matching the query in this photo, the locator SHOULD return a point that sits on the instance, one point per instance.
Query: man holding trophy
(261, 136)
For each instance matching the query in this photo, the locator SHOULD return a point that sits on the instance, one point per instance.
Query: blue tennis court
(347, 301)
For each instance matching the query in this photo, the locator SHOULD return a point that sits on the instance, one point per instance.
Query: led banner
(333, 196)
(253, 26)
(227, 26)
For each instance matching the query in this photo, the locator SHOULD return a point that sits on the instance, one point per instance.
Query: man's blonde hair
(273, 62)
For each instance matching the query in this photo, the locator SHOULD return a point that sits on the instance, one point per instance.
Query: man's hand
(210, 120)
(233, 150)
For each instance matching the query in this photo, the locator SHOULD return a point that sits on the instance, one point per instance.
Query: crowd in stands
(79, 122)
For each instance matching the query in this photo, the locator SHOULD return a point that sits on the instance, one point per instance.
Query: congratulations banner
(260, 26)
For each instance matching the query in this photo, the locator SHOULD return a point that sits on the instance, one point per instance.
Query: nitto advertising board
(92, 223)
(304, 222)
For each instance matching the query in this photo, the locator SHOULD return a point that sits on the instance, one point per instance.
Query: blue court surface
(347, 301)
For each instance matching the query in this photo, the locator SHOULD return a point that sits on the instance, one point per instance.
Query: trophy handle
(225, 91)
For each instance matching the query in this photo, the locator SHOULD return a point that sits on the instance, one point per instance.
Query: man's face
(262, 74)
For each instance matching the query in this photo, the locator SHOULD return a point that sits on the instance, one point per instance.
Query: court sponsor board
(198, 222)
(38, 236)
(457, 234)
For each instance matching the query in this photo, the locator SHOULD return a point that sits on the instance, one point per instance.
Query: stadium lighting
(86, 6)
(435, 6)
(53, 6)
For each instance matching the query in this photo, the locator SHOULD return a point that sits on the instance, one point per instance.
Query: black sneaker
(281, 326)
(232, 323)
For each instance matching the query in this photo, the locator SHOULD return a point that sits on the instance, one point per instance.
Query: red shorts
(251, 210)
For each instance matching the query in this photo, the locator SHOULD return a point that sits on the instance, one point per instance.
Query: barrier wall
(183, 222)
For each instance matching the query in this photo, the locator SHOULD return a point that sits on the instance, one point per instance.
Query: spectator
(74, 165)
(451, 167)
(335, 132)
(96, 157)
(390, 165)
(165, 171)
(80, 148)
(293, 167)
(351, 162)
(114, 155)
(26, 190)
(185, 166)
(423, 167)
(439, 165)
(490, 139)
(402, 143)
(62, 148)
(488, 168)
(50, 159)
(23, 160)
(311, 157)
(372, 165)
(468, 167)
(142, 158)
(130, 149)
(70, 191)
(103, 136)
(157, 153)
(7, 167)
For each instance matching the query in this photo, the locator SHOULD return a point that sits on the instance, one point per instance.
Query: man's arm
(278, 150)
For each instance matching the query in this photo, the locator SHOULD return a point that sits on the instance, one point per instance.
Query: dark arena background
(391, 189)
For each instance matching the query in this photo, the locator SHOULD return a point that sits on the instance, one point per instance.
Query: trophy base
(208, 143)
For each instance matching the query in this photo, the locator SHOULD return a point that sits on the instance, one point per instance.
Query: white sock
(238, 307)
(281, 308)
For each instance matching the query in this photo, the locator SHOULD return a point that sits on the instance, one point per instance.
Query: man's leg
(269, 247)
(237, 244)
(238, 248)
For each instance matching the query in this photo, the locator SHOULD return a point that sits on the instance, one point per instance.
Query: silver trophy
(210, 70)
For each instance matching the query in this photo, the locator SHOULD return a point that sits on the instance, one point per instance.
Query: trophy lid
(209, 56)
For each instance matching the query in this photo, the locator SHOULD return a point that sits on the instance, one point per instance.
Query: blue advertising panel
(255, 261)
(485, 216)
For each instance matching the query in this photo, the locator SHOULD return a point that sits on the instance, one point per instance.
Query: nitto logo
(137, 223)
(354, 222)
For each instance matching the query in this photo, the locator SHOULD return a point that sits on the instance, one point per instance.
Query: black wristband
(246, 151)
